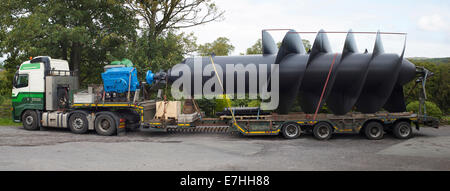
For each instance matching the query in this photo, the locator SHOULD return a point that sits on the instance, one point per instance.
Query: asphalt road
(56, 149)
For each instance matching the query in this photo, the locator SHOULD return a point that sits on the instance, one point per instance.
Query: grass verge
(446, 120)
(8, 122)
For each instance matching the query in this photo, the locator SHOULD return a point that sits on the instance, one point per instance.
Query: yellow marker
(264, 132)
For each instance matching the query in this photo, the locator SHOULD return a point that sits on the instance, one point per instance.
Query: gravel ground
(58, 149)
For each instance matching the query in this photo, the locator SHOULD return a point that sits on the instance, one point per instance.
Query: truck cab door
(20, 94)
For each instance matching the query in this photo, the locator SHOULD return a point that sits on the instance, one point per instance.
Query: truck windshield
(20, 80)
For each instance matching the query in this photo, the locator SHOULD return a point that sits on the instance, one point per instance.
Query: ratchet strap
(324, 87)
(226, 97)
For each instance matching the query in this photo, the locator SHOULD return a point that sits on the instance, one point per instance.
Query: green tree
(169, 49)
(159, 16)
(437, 86)
(161, 19)
(4, 83)
(256, 48)
(220, 47)
(307, 45)
(82, 32)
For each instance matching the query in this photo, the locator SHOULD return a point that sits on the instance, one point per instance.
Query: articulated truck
(47, 94)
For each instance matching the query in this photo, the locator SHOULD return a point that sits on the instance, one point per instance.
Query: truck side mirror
(14, 82)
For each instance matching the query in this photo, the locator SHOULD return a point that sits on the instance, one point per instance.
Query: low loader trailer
(292, 125)
(46, 94)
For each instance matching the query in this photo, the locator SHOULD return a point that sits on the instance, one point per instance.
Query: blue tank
(117, 79)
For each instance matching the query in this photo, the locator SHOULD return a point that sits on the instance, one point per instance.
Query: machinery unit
(120, 80)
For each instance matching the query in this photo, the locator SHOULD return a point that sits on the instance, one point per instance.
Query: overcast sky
(426, 22)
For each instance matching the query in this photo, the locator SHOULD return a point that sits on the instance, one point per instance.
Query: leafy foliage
(82, 32)
(436, 61)
(431, 108)
(160, 20)
(437, 87)
(159, 16)
(256, 48)
(307, 45)
(208, 106)
(169, 49)
(4, 84)
(220, 47)
(90, 34)
(217, 105)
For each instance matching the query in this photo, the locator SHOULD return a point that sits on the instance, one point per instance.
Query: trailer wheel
(374, 131)
(322, 131)
(290, 130)
(403, 130)
(30, 120)
(105, 125)
(78, 123)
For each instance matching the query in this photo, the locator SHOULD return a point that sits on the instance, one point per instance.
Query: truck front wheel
(30, 120)
(78, 123)
(105, 125)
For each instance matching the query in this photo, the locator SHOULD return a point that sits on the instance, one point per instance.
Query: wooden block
(168, 110)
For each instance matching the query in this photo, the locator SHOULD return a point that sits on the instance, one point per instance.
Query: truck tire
(322, 131)
(78, 123)
(374, 131)
(105, 125)
(30, 120)
(290, 130)
(402, 130)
